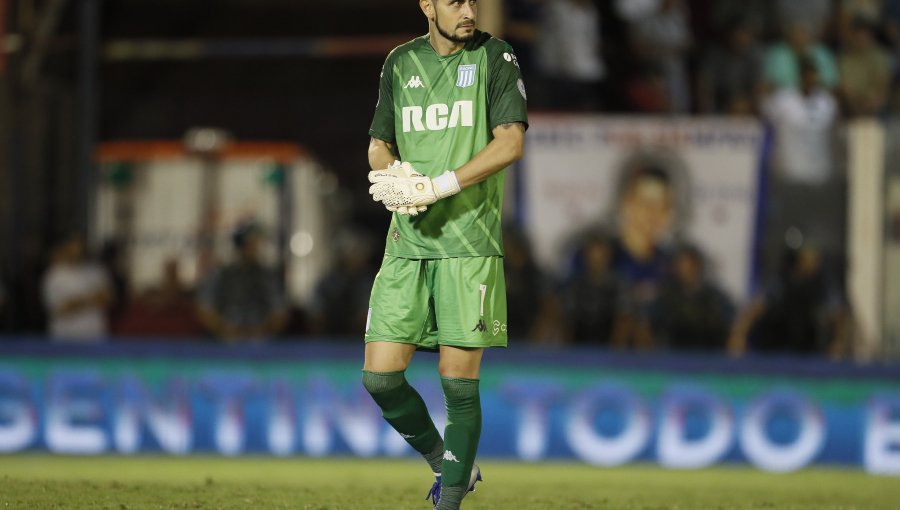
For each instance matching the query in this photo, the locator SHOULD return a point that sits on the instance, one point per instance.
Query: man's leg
(401, 405)
(459, 369)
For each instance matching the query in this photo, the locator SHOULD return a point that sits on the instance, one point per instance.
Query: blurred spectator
(662, 37)
(757, 16)
(522, 32)
(76, 294)
(243, 301)
(865, 71)
(804, 193)
(851, 12)
(782, 61)
(730, 78)
(803, 119)
(646, 211)
(342, 295)
(525, 295)
(694, 313)
(166, 311)
(592, 295)
(111, 260)
(571, 64)
(799, 312)
(647, 91)
(815, 14)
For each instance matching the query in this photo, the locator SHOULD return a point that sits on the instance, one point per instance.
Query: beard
(449, 36)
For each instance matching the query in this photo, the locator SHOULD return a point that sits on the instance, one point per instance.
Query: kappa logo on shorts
(480, 326)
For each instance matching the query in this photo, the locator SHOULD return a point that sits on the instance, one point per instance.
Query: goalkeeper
(451, 116)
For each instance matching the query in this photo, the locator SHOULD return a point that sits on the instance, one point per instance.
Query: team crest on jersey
(465, 76)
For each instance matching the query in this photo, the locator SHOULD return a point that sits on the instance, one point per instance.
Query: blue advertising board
(681, 412)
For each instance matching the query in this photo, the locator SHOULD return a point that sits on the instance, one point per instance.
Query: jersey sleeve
(383, 122)
(507, 98)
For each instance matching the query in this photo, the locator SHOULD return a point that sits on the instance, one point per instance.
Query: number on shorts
(483, 288)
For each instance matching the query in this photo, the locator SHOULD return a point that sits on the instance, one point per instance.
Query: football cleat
(435, 493)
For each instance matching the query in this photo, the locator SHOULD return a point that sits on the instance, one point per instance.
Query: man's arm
(505, 149)
(406, 191)
(381, 154)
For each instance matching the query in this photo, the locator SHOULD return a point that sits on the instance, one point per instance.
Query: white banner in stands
(574, 173)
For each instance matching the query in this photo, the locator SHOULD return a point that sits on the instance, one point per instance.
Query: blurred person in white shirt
(569, 54)
(76, 294)
(806, 194)
(803, 119)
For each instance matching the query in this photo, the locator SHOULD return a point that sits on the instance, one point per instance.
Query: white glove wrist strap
(446, 184)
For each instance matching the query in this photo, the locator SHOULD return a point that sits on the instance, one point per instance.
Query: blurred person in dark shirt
(645, 217)
(341, 300)
(591, 296)
(693, 312)
(165, 311)
(243, 301)
(525, 285)
(730, 76)
(799, 312)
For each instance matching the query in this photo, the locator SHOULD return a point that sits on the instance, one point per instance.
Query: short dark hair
(244, 231)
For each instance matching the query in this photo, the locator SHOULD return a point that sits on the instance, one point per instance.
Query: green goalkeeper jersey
(439, 112)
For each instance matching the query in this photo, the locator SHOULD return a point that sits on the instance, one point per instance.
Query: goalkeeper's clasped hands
(405, 191)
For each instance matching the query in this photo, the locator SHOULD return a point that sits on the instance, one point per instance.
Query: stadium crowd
(802, 66)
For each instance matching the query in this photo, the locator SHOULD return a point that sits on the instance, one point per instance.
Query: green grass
(37, 482)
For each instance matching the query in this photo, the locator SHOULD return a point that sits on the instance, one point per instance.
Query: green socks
(460, 438)
(404, 409)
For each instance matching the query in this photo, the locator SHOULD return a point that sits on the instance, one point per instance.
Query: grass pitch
(37, 482)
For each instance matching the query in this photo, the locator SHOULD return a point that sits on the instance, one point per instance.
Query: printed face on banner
(649, 181)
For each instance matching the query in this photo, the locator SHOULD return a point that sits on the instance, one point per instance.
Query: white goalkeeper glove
(402, 188)
(397, 170)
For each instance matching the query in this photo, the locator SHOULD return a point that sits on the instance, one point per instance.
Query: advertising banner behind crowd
(578, 167)
(602, 409)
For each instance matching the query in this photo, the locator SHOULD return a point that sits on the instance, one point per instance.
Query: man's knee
(380, 382)
(388, 356)
(460, 362)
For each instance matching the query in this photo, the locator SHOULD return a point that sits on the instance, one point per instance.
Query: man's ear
(427, 7)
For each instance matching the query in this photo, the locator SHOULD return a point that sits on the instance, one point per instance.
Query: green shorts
(454, 301)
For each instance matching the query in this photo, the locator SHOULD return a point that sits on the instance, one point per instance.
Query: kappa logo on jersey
(480, 326)
(438, 117)
(448, 456)
(415, 82)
